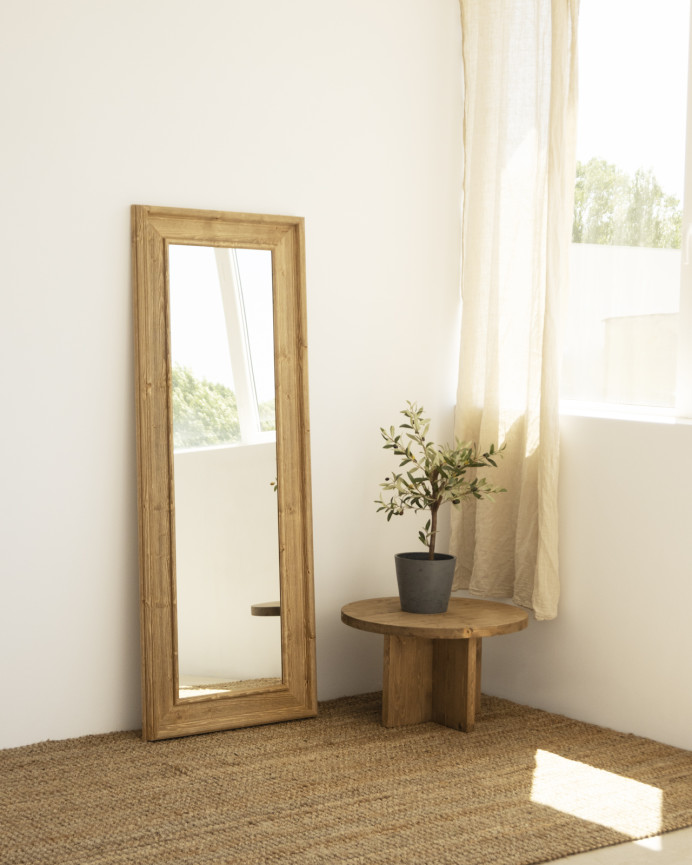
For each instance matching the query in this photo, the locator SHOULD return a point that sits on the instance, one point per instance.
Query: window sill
(638, 413)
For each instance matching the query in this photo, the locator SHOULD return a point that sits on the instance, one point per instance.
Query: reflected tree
(204, 413)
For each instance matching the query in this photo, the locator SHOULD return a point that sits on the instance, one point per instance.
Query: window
(624, 338)
(222, 354)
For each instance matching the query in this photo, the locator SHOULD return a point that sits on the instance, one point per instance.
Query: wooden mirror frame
(164, 713)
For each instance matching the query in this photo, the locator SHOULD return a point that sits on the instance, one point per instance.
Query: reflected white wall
(227, 558)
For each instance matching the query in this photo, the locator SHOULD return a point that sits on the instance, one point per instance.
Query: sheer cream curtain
(519, 139)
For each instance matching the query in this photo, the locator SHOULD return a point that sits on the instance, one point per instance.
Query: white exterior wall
(621, 324)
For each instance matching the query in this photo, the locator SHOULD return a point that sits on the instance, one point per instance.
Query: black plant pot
(424, 584)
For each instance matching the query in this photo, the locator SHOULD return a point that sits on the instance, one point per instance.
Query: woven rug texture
(340, 788)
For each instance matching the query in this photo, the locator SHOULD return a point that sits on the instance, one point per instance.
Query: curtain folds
(519, 140)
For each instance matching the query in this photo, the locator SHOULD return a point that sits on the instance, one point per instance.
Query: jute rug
(340, 788)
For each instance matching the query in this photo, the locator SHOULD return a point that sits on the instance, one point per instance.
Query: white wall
(620, 651)
(347, 114)
(226, 559)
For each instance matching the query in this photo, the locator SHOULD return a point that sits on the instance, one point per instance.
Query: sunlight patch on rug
(655, 843)
(627, 806)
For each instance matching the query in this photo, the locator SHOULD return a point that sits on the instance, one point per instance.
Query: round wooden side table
(432, 663)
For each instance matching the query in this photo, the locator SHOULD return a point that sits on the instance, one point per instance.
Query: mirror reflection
(224, 465)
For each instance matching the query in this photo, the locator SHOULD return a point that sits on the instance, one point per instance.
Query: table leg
(456, 682)
(407, 685)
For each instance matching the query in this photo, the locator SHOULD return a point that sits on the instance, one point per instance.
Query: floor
(672, 848)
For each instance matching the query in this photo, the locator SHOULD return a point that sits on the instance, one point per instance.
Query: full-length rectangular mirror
(227, 617)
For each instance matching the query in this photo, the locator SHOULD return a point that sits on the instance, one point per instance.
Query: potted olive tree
(431, 475)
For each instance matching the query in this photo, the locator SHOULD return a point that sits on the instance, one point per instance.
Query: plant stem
(433, 527)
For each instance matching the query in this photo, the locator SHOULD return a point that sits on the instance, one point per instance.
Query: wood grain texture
(432, 663)
(456, 682)
(164, 714)
(407, 685)
(465, 618)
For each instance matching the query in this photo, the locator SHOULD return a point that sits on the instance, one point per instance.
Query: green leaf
(431, 474)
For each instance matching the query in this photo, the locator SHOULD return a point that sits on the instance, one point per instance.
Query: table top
(465, 618)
